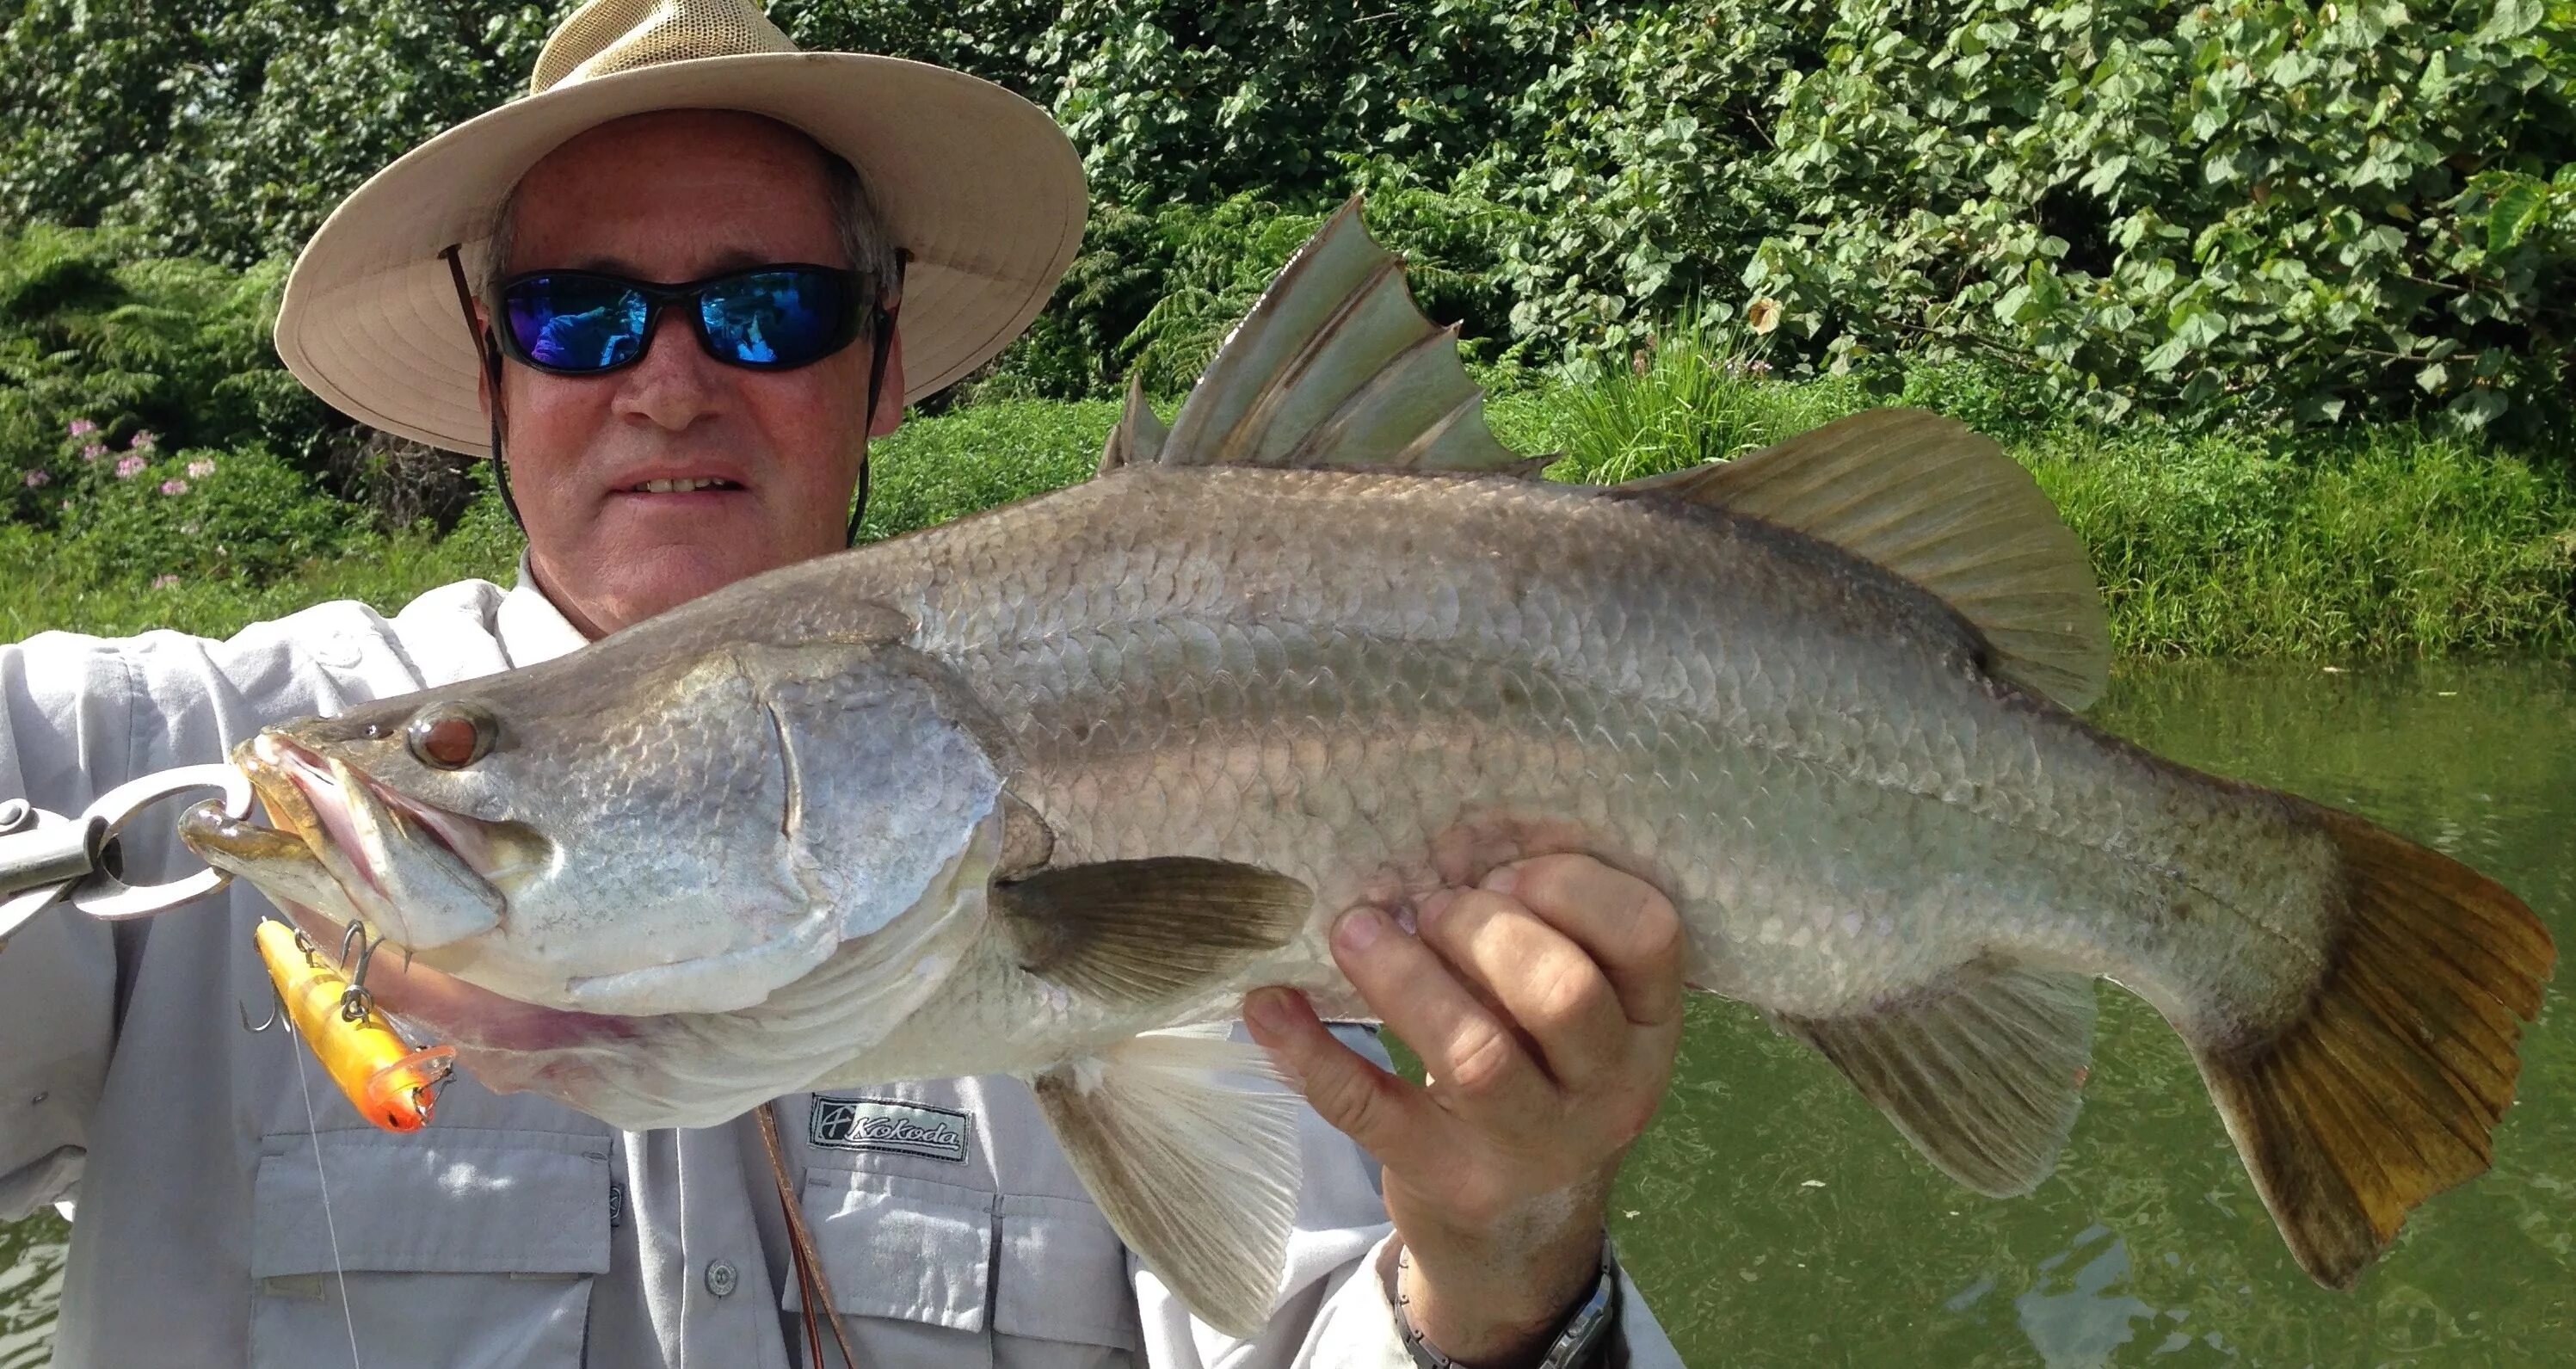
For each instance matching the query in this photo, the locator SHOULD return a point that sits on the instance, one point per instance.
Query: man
(658, 444)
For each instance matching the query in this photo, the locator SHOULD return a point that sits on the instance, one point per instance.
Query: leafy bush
(2235, 210)
(2267, 209)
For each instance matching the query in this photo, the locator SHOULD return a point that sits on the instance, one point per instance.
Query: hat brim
(978, 184)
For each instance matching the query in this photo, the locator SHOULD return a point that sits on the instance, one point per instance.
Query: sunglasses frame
(658, 297)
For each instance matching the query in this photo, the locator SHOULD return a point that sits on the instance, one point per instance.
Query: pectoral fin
(1143, 931)
(1982, 1074)
(1189, 1145)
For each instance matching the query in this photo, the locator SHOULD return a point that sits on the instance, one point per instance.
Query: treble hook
(276, 1014)
(355, 1001)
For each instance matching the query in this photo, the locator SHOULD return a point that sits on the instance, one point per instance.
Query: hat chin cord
(487, 351)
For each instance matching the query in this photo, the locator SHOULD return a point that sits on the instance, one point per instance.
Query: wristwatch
(1582, 1341)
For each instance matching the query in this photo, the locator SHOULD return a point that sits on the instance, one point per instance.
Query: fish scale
(1783, 726)
(1031, 791)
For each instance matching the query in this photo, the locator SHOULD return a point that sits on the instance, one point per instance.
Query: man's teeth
(700, 482)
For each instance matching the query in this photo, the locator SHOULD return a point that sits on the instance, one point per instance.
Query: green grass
(2380, 543)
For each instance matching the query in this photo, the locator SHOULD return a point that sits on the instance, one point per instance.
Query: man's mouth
(688, 484)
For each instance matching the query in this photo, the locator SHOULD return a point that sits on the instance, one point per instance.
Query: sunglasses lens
(576, 323)
(776, 318)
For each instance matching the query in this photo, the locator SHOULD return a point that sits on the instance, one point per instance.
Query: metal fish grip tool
(48, 858)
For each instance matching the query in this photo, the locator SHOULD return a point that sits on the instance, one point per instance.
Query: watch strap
(1582, 1338)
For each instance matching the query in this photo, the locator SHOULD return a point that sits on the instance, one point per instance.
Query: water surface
(1774, 1219)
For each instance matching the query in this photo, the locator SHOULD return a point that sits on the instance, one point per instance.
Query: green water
(1773, 1219)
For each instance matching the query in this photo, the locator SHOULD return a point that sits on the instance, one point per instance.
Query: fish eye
(449, 736)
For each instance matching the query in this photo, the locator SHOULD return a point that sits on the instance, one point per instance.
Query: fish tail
(2388, 1088)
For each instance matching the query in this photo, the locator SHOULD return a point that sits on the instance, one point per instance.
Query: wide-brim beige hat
(979, 185)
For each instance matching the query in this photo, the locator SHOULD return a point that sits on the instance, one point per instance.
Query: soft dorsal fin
(1335, 366)
(1932, 500)
(1983, 1073)
(1138, 438)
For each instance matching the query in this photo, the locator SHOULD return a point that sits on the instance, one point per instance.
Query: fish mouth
(503, 1035)
(418, 875)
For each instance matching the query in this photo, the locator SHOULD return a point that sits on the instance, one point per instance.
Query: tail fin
(2388, 1090)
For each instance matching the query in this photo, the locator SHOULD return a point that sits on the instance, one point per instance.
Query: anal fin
(1189, 1145)
(1983, 1074)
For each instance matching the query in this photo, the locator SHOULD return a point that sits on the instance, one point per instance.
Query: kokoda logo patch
(884, 1124)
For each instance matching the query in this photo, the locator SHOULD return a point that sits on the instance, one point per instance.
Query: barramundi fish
(1044, 791)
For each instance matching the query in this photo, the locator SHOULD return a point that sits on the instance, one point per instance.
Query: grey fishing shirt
(227, 1194)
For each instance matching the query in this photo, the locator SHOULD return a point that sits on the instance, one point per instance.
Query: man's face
(672, 197)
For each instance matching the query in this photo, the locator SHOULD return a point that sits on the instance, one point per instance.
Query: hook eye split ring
(103, 895)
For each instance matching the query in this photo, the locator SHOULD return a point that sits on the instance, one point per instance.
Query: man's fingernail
(1358, 930)
(1268, 1010)
(1502, 879)
(1431, 908)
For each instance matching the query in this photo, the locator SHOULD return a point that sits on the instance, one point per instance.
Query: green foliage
(2389, 542)
(2258, 209)
(935, 469)
(1694, 394)
(2238, 211)
(229, 129)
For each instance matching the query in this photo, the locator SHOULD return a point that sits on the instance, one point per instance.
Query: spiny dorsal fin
(1982, 1074)
(1189, 1145)
(1138, 438)
(1334, 366)
(1931, 500)
(1143, 931)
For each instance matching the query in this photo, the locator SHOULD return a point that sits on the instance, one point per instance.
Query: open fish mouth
(313, 864)
(418, 876)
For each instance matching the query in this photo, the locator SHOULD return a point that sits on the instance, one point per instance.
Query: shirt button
(722, 1278)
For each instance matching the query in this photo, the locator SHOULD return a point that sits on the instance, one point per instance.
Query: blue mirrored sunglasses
(770, 318)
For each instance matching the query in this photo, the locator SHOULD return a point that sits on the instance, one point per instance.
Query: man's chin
(635, 578)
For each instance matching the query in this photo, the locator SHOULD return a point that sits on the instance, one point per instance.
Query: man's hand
(1547, 1008)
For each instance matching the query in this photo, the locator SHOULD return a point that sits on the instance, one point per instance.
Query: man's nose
(676, 384)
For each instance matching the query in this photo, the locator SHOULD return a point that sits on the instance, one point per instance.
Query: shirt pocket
(1015, 1280)
(458, 1247)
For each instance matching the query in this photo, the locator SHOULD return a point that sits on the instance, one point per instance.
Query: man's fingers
(1627, 926)
(1549, 987)
(1472, 1055)
(1389, 1117)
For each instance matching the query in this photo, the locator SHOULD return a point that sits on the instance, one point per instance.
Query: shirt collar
(531, 628)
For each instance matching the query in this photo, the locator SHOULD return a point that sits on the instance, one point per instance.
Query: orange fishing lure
(390, 1083)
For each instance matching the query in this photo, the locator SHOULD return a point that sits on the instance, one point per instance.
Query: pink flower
(174, 487)
(199, 470)
(143, 441)
(81, 427)
(165, 582)
(129, 467)
(36, 479)
(93, 451)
